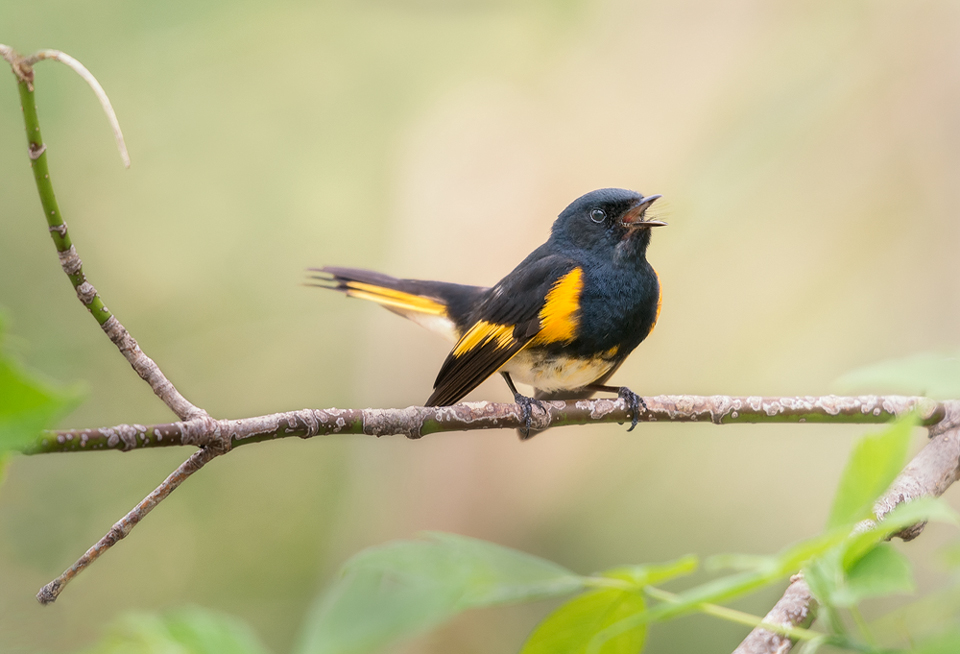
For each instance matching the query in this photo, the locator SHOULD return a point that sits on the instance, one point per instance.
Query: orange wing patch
(481, 333)
(389, 297)
(559, 317)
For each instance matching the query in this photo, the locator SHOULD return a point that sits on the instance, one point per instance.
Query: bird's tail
(439, 306)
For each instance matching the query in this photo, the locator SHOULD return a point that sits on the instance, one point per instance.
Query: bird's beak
(634, 216)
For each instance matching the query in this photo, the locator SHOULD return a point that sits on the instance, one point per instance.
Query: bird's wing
(537, 303)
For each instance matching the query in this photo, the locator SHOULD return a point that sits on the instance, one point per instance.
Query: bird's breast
(617, 310)
(552, 371)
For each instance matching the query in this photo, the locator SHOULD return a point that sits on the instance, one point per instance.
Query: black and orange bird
(562, 321)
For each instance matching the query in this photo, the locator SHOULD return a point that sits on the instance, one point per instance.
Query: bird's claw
(526, 405)
(633, 402)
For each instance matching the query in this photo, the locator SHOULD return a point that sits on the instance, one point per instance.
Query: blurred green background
(808, 154)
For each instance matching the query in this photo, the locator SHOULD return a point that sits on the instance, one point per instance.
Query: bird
(562, 321)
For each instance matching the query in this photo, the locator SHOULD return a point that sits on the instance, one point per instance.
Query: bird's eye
(598, 215)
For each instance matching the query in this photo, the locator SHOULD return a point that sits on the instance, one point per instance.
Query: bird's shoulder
(522, 293)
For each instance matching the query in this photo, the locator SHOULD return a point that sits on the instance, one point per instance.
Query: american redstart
(562, 321)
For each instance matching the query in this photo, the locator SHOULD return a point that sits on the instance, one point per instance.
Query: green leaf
(875, 462)
(934, 374)
(881, 571)
(571, 628)
(823, 576)
(4, 460)
(946, 643)
(739, 562)
(653, 574)
(186, 631)
(405, 587)
(907, 514)
(841, 576)
(813, 646)
(28, 403)
(922, 618)
(922, 509)
(950, 556)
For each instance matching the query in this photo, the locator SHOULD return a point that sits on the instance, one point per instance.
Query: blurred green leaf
(852, 570)
(405, 587)
(950, 555)
(28, 403)
(904, 515)
(881, 571)
(739, 562)
(920, 619)
(947, 643)
(187, 631)
(824, 577)
(4, 460)
(571, 628)
(875, 462)
(813, 646)
(922, 509)
(933, 374)
(652, 574)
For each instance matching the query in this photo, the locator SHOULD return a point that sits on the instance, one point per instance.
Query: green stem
(733, 615)
(51, 209)
(862, 626)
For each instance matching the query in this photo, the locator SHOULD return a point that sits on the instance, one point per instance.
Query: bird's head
(607, 221)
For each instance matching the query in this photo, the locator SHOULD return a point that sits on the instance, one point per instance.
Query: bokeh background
(809, 158)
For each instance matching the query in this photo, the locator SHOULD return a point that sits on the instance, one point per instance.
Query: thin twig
(795, 632)
(197, 460)
(87, 77)
(417, 421)
(69, 259)
(928, 474)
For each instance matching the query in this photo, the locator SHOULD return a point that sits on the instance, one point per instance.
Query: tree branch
(417, 421)
(49, 593)
(217, 437)
(66, 251)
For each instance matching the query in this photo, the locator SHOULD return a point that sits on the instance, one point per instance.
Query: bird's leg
(634, 401)
(526, 406)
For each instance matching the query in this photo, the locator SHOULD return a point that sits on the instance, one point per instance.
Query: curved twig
(70, 260)
(98, 91)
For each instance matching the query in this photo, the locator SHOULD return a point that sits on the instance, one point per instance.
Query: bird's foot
(634, 402)
(526, 405)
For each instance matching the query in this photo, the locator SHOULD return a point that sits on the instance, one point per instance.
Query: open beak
(634, 216)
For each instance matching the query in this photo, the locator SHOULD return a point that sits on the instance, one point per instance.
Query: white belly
(555, 373)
